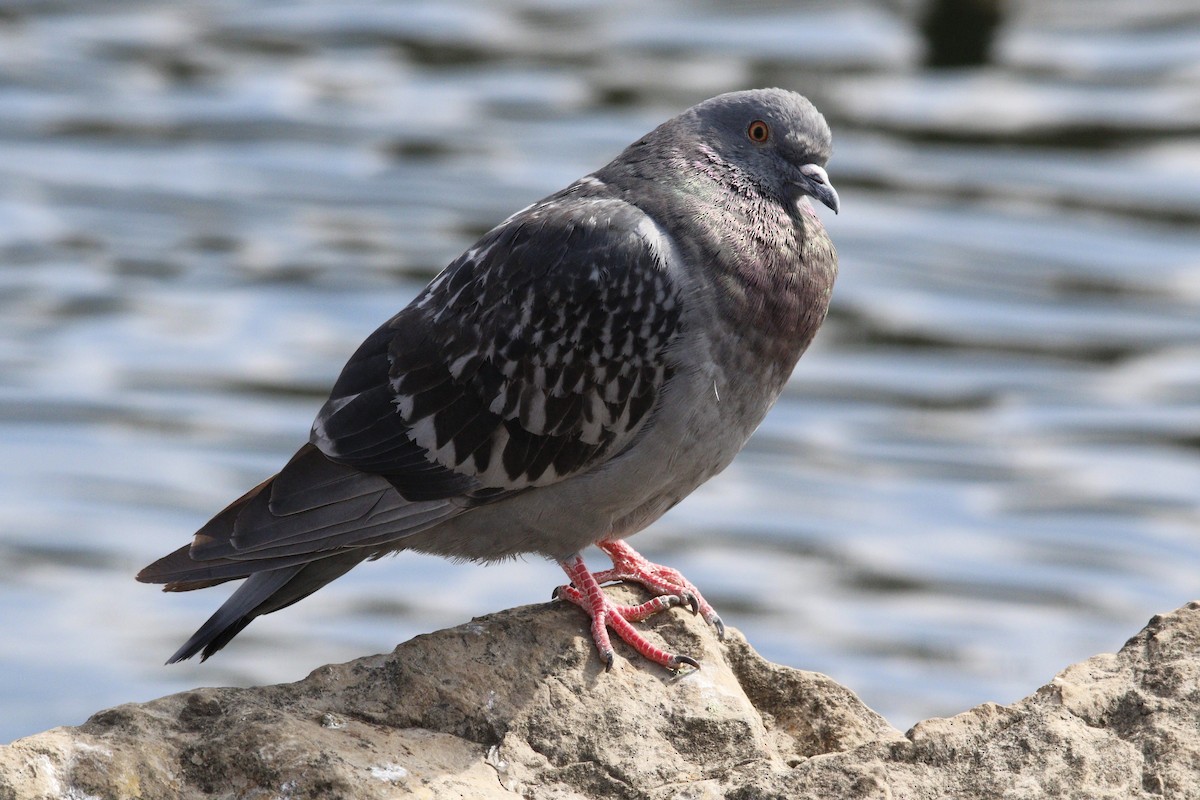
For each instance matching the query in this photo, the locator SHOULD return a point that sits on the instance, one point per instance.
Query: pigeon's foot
(585, 592)
(630, 565)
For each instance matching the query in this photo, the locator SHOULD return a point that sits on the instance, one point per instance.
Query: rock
(517, 704)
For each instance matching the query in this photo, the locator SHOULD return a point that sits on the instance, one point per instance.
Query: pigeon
(573, 375)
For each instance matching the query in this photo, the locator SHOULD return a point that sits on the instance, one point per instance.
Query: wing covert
(537, 354)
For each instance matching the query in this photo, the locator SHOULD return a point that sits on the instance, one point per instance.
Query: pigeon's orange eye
(758, 131)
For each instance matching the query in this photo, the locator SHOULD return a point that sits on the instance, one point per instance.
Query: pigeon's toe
(585, 592)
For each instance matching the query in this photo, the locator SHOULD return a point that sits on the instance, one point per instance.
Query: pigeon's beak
(816, 184)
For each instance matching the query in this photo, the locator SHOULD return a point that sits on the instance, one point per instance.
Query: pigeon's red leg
(630, 565)
(585, 592)
(631, 613)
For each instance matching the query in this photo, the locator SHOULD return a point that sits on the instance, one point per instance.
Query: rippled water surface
(986, 468)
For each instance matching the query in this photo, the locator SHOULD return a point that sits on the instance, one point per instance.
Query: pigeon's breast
(753, 308)
(768, 279)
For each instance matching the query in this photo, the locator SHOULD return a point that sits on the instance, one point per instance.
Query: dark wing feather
(313, 509)
(536, 355)
(289, 536)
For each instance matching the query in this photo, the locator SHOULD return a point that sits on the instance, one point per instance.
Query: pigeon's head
(776, 138)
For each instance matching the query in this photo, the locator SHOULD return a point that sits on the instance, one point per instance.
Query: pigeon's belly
(705, 417)
(707, 414)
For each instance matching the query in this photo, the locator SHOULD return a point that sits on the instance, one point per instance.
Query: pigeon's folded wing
(536, 355)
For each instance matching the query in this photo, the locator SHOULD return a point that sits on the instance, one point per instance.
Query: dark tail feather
(263, 593)
(288, 537)
(234, 614)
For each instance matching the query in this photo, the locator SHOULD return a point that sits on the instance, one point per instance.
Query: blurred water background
(985, 469)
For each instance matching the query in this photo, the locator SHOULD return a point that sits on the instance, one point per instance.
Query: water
(985, 469)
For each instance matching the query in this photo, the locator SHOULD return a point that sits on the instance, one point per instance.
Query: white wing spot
(590, 180)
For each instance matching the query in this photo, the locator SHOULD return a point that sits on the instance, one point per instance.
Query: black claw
(554, 594)
(720, 626)
(692, 601)
(609, 660)
(679, 661)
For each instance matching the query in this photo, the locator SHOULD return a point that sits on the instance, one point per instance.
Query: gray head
(774, 138)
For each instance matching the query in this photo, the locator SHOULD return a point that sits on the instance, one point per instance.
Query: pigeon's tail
(289, 536)
(263, 593)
